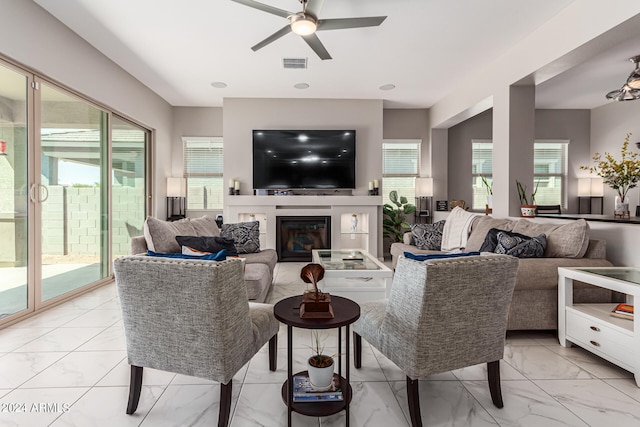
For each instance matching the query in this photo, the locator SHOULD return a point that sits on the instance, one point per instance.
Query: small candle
(231, 183)
(370, 185)
(375, 183)
(236, 185)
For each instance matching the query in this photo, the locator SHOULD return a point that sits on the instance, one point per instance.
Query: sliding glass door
(74, 189)
(73, 192)
(14, 199)
(129, 183)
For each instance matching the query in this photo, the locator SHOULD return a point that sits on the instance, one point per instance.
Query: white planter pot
(320, 378)
(528, 211)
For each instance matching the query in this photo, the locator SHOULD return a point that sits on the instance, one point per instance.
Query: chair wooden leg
(273, 353)
(225, 404)
(357, 350)
(135, 386)
(493, 375)
(413, 399)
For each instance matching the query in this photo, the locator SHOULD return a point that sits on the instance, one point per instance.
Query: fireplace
(296, 236)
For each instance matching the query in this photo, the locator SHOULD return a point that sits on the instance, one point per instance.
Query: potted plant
(394, 223)
(527, 203)
(620, 175)
(320, 366)
(489, 187)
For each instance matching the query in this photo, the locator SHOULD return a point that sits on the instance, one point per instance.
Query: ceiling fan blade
(342, 23)
(264, 7)
(314, 43)
(273, 37)
(314, 7)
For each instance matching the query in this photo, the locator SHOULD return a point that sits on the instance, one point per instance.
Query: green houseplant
(621, 175)
(394, 223)
(527, 203)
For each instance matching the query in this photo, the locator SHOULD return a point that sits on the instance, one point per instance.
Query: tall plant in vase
(527, 203)
(394, 223)
(620, 175)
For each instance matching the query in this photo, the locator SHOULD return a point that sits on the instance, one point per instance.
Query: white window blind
(400, 167)
(203, 166)
(549, 168)
(481, 167)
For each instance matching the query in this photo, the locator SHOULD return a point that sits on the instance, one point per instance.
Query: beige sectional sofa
(159, 236)
(535, 299)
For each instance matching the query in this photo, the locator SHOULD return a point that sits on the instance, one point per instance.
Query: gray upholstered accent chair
(441, 315)
(191, 317)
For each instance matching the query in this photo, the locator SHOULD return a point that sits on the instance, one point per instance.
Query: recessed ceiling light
(301, 85)
(219, 85)
(387, 87)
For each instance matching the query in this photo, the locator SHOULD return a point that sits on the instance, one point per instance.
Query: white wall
(31, 36)
(242, 115)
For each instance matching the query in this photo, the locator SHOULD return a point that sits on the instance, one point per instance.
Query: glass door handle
(45, 192)
(32, 193)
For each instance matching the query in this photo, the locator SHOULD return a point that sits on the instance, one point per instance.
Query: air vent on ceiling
(294, 63)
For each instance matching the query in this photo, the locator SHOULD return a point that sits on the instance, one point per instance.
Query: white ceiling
(424, 48)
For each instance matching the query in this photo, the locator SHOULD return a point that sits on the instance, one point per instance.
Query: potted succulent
(527, 203)
(621, 175)
(320, 365)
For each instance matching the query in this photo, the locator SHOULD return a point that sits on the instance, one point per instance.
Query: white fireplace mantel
(340, 208)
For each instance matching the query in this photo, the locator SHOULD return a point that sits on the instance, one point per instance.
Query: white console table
(591, 326)
(340, 208)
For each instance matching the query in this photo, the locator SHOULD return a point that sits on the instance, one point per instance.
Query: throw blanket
(456, 229)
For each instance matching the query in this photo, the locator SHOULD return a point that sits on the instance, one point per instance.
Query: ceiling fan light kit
(303, 24)
(306, 23)
(630, 90)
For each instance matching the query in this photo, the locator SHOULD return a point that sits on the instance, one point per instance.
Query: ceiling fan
(306, 23)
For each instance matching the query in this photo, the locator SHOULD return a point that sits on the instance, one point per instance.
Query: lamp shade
(176, 187)
(424, 187)
(590, 187)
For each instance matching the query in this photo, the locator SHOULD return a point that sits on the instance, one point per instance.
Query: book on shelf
(624, 311)
(304, 392)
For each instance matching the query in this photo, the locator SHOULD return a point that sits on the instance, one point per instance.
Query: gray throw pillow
(521, 246)
(428, 236)
(245, 235)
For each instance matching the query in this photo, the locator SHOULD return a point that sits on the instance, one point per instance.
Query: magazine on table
(304, 392)
(624, 311)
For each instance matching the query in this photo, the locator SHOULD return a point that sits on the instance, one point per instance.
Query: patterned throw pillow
(245, 235)
(208, 243)
(521, 246)
(428, 236)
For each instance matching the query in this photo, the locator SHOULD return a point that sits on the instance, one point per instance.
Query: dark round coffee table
(288, 312)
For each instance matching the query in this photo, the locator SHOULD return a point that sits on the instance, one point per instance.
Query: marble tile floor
(67, 367)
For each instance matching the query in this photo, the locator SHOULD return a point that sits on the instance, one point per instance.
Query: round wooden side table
(288, 312)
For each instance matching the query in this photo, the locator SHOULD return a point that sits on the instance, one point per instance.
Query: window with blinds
(481, 167)
(549, 171)
(203, 164)
(400, 167)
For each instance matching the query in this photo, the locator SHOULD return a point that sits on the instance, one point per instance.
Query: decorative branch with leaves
(620, 175)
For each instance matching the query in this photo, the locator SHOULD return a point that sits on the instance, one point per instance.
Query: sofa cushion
(245, 235)
(482, 226)
(520, 246)
(563, 240)
(208, 243)
(428, 236)
(161, 235)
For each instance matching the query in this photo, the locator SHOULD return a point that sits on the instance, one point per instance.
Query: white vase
(490, 202)
(354, 223)
(320, 378)
(621, 207)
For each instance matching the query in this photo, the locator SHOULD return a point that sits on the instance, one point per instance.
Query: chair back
(448, 313)
(185, 316)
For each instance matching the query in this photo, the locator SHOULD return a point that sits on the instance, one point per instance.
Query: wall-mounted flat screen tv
(304, 159)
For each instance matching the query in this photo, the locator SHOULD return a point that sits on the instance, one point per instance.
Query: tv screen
(304, 159)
